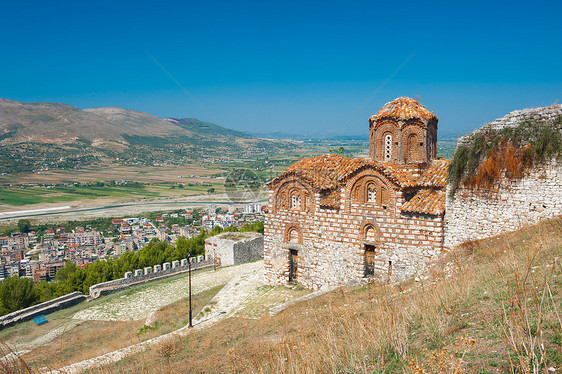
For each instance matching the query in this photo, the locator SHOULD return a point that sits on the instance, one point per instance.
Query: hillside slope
(41, 136)
(489, 307)
(60, 123)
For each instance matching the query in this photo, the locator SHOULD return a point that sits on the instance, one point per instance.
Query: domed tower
(403, 132)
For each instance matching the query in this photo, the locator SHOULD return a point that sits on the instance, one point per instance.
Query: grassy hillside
(489, 307)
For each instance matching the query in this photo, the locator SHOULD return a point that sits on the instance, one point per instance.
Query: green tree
(64, 272)
(17, 293)
(24, 225)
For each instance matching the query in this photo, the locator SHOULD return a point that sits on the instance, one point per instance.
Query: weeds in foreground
(12, 363)
(528, 306)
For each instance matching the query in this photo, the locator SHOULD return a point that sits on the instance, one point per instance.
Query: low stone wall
(233, 248)
(148, 274)
(472, 215)
(47, 307)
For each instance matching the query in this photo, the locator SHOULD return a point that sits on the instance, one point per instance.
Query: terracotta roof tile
(436, 174)
(404, 108)
(331, 199)
(426, 202)
(326, 172)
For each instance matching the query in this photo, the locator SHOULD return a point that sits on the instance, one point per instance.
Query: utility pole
(190, 310)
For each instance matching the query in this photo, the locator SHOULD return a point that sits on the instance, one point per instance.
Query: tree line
(18, 293)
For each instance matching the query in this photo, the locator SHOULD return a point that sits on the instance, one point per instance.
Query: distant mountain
(40, 135)
(60, 124)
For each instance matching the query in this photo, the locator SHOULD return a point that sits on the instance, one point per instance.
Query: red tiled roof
(426, 202)
(436, 174)
(331, 200)
(404, 108)
(326, 172)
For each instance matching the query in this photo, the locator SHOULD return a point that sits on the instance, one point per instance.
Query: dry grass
(491, 306)
(12, 363)
(95, 338)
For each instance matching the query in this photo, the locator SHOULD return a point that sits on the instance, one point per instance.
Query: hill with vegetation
(42, 136)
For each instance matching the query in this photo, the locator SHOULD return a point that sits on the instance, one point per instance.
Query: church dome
(404, 108)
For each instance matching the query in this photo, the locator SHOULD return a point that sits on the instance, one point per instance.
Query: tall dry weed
(11, 362)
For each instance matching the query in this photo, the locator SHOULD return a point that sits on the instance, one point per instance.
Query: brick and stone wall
(233, 248)
(331, 242)
(473, 215)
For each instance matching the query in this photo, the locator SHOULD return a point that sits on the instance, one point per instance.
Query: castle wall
(472, 216)
(331, 244)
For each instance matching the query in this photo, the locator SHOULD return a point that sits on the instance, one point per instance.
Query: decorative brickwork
(354, 219)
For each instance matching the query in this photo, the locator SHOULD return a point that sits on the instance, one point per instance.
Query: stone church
(335, 220)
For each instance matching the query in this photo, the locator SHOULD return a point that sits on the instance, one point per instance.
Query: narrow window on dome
(387, 147)
(371, 195)
(295, 202)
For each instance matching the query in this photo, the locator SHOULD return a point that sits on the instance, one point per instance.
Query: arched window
(371, 194)
(295, 201)
(411, 148)
(429, 147)
(370, 234)
(387, 147)
(293, 236)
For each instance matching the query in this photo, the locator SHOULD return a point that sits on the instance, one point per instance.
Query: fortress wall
(473, 216)
(47, 307)
(550, 115)
(105, 288)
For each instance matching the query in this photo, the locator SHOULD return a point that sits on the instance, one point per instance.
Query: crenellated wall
(148, 274)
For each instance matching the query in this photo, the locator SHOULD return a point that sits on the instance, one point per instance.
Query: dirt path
(240, 289)
(138, 304)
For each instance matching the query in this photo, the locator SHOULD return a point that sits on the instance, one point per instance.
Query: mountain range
(35, 135)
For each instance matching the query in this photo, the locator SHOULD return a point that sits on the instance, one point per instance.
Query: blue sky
(289, 66)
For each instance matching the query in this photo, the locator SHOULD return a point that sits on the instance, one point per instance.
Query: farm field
(157, 182)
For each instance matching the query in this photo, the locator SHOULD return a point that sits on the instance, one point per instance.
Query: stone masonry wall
(550, 115)
(234, 248)
(47, 307)
(139, 277)
(473, 216)
(331, 244)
